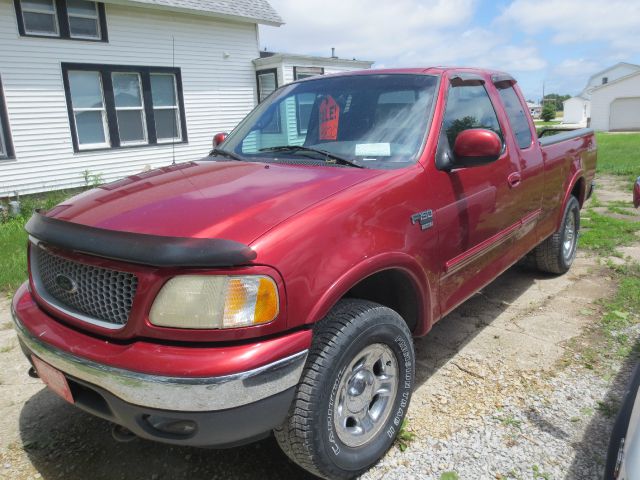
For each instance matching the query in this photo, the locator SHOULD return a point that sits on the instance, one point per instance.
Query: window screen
(88, 108)
(267, 83)
(39, 17)
(84, 21)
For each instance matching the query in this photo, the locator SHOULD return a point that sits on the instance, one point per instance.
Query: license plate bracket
(53, 378)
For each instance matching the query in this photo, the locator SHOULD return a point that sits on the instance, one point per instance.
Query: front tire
(354, 391)
(556, 253)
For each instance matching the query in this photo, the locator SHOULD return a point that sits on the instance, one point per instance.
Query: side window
(305, 72)
(469, 106)
(6, 145)
(66, 19)
(517, 117)
(304, 105)
(267, 81)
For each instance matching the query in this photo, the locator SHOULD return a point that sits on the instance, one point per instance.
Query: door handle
(514, 179)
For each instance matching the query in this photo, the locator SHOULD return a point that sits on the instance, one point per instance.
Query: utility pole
(542, 103)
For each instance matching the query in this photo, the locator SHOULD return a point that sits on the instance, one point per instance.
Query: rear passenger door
(476, 214)
(530, 186)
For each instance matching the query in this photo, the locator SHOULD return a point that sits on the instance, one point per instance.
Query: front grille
(99, 295)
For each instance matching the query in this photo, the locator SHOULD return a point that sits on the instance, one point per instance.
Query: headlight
(215, 301)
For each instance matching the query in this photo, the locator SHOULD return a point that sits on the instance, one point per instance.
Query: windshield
(373, 121)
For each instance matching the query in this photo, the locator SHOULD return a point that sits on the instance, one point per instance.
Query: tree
(556, 100)
(548, 112)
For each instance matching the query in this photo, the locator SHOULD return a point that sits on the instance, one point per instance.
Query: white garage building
(615, 106)
(578, 109)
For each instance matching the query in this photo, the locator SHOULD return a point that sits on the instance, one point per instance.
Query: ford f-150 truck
(276, 285)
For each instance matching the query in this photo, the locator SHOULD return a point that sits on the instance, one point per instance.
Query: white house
(275, 69)
(615, 106)
(535, 109)
(578, 109)
(115, 87)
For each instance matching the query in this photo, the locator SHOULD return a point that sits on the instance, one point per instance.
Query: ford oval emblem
(66, 284)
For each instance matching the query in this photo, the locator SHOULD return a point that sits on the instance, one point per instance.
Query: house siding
(603, 97)
(218, 92)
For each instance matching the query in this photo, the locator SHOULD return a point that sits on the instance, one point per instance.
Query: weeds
(609, 409)
(405, 436)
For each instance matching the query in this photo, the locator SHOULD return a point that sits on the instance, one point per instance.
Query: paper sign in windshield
(329, 118)
(373, 149)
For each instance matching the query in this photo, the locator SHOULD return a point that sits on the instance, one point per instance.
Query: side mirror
(475, 147)
(218, 138)
(636, 193)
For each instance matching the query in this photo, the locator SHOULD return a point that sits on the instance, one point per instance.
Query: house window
(267, 83)
(605, 80)
(305, 72)
(165, 106)
(304, 106)
(89, 112)
(6, 145)
(84, 19)
(113, 106)
(127, 93)
(40, 17)
(67, 19)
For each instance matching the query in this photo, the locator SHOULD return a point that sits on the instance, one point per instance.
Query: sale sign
(329, 118)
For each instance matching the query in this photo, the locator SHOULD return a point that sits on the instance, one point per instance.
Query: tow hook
(32, 373)
(122, 434)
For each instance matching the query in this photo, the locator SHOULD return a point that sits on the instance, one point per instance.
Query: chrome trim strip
(186, 394)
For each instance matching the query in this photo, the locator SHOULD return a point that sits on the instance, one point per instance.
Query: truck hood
(232, 200)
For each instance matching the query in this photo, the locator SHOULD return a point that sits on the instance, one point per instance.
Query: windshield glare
(376, 121)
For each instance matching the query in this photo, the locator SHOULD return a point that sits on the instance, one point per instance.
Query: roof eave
(200, 13)
(279, 57)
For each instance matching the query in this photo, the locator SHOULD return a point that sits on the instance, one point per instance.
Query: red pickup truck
(276, 285)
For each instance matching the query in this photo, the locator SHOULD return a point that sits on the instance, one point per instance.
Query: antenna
(173, 65)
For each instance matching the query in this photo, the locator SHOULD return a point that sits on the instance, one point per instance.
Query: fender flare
(577, 176)
(370, 266)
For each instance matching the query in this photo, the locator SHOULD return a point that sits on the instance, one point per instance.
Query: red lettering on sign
(329, 118)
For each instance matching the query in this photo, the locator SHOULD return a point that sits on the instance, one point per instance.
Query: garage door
(625, 114)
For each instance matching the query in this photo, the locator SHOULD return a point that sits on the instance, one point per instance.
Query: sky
(556, 42)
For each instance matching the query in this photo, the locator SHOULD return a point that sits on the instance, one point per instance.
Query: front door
(476, 214)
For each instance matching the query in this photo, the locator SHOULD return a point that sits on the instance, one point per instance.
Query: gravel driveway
(498, 396)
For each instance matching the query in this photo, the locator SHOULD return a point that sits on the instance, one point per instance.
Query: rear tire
(556, 253)
(354, 391)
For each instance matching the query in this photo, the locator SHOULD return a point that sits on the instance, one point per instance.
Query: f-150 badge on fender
(425, 219)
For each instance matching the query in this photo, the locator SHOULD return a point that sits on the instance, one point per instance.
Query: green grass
(619, 154)
(541, 123)
(603, 234)
(405, 436)
(13, 238)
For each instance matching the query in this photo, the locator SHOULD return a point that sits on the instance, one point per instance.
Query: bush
(548, 112)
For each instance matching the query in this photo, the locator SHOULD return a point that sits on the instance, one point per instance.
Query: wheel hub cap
(366, 395)
(568, 244)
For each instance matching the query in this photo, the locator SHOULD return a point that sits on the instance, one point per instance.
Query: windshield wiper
(219, 152)
(300, 148)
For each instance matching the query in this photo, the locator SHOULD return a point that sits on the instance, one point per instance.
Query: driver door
(476, 213)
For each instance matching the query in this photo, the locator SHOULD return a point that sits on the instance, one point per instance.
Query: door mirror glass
(476, 146)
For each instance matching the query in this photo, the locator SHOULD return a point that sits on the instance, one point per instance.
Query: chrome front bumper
(186, 394)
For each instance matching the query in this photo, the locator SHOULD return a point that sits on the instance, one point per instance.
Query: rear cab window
(516, 115)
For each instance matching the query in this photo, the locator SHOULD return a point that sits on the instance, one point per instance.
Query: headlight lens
(215, 301)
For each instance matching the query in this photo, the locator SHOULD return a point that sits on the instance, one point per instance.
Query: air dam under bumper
(224, 410)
